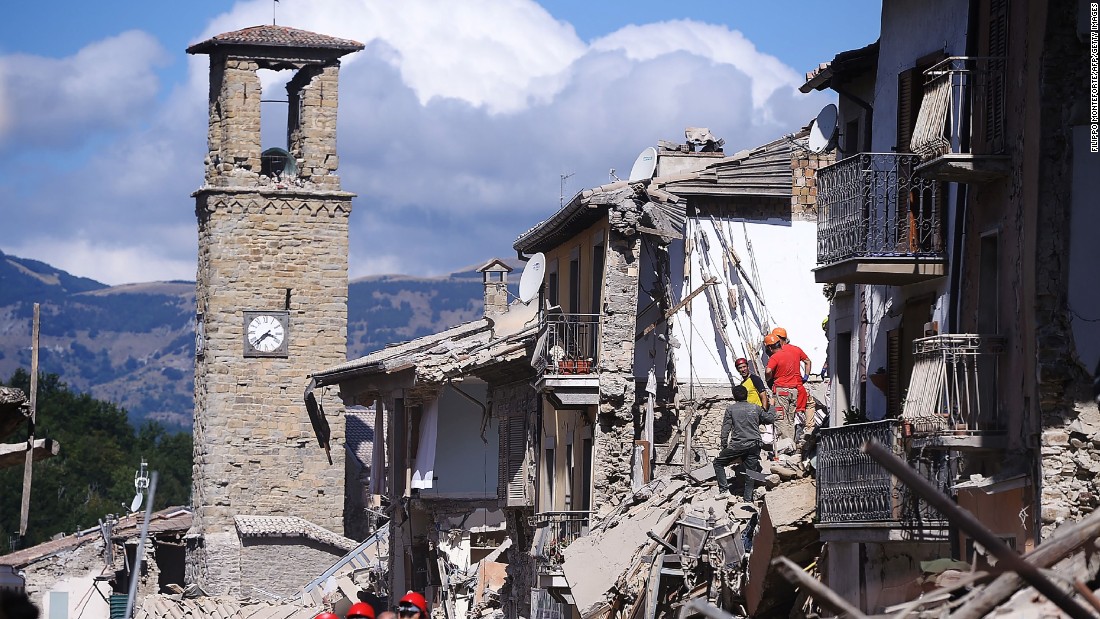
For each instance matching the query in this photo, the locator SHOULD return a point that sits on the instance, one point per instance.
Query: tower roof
(276, 36)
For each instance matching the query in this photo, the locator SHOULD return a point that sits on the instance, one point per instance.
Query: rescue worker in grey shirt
(740, 438)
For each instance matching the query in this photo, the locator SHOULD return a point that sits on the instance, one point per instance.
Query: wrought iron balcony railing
(572, 342)
(853, 488)
(963, 108)
(954, 385)
(554, 531)
(873, 205)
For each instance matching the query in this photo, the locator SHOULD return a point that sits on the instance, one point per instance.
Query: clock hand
(261, 338)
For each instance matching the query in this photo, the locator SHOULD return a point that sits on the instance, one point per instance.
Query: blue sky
(455, 122)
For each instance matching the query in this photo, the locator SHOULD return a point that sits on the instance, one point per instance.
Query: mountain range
(134, 344)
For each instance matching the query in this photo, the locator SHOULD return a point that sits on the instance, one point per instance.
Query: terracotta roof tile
(275, 36)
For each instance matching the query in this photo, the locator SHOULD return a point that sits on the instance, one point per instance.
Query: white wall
(785, 254)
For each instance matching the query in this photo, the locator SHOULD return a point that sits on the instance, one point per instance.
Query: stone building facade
(271, 299)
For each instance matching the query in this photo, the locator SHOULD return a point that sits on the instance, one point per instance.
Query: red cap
(417, 600)
(361, 609)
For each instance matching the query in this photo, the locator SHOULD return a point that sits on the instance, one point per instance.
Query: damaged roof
(757, 172)
(169, 520)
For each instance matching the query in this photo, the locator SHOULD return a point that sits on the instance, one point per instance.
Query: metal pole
(139, 552)
(975, 529)
(25, 506)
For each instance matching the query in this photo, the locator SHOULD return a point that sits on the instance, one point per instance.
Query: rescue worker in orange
(784, 373)
(803, 395)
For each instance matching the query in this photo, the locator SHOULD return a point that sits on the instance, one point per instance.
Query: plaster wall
(784, 253)
(466, 460)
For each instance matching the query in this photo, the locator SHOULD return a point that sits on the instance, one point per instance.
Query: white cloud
(455, 123)
(62, 102)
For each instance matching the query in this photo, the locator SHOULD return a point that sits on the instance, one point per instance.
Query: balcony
(951, 400)
(878, 222)
(567, 362)
(960, 132)
(554, 531)
(859, 500)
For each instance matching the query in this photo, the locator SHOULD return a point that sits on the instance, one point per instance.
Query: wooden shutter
(893, 373)
(516, 488)
(909, 89)
(994, 108)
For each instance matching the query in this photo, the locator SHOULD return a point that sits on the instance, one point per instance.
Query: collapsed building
(552, 413)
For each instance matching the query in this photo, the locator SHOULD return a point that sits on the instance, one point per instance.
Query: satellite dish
(531, 279)
(644, 165)
(136, 503)
(823, 130)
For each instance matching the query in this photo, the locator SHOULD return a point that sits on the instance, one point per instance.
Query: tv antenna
(561, 188)
(612, 177)
(141, 485)
(823, 130)
(274, 4)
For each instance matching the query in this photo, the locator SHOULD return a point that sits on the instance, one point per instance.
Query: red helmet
(361, 609)
(327, 615)
(417, 600)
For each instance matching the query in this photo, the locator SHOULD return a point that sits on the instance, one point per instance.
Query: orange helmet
(327, 615)
(780, 331)
(361, 609)
(771, 339)
(417, 600)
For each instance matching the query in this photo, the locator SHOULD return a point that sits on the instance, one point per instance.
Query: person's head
(387, 614)
(360, 610)
(326, 615)
(771, 342)
(742, 366)
(781, 333)
(413, 605)
(740, 393)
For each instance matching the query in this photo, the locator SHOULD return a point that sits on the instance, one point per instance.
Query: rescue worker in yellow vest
(758, 393)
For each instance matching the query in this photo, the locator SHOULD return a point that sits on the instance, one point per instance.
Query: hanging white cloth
(651, 389)
(425, 451)
(378, 455)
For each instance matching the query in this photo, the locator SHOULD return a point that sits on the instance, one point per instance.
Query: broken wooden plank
(25, 508)
(1065, 540)
(14, 454)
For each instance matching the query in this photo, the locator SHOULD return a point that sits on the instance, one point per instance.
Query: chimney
(495, 279)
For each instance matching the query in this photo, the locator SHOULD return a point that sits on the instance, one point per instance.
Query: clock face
(266, 334)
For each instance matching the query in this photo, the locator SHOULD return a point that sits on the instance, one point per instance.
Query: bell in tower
(271, 297)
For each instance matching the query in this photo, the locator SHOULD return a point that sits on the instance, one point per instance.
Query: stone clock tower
(272, 288)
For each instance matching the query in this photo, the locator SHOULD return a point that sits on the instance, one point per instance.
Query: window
(548, 473)
(851, 137)
(574, 281)
(586, 474)
(552, 283)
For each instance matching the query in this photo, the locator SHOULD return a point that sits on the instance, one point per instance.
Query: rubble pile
(692, 544)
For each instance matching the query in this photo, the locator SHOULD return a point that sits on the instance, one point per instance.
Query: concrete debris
(690, 543)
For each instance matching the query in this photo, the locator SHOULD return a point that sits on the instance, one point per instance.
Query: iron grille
(873, 205)
(571, 344)
(554, 532)
(963, 108)
(954, 384)
(852, 487)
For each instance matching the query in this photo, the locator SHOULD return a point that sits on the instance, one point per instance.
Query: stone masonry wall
(234, 134)
(614, 441)
(313, 93)
(255, 450)
(804, 167)
(282, 566)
